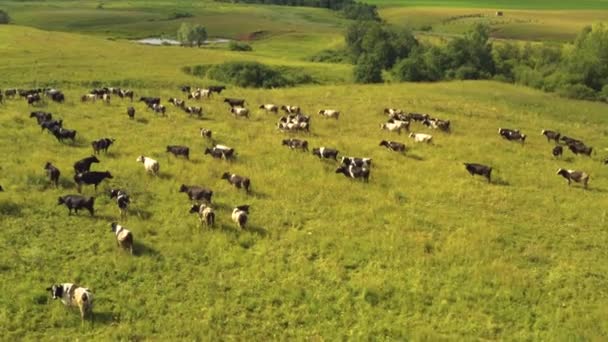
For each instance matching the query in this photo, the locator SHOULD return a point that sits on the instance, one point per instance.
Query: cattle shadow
(256, 230)
(108, 218)
(257, 194)
(414, 157)
(598, 190)
(142, 249)
(165, 176)
(64, 183)
(102, 317)
(500, 182)
(141, 214)
(142, 121)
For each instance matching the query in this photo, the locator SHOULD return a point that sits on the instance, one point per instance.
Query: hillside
(423, 251)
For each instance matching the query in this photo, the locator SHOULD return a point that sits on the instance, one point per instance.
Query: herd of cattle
(293, 120)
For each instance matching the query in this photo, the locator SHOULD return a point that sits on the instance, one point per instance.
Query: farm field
(423, 251)
(497, 4)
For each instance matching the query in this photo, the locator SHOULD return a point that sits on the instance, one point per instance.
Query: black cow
(568, 141)
(131, 112)
(574, 175)
(393, 145)
(359, 162)
(177, 150)
(50, 125)
(149, 101)
(295, 144)
(10, 93)
(418, 117)
(91, 177)
(53, 173)
(197, 193)
(41, 116)
(216, 89)
(102, 145)
(33, 98)
(58, 97)
(324, 152)
(557, 151)
(186, 89)
(354, 172)
(61, 133)
(551, 135)
(580, 148)
(1, 188)
(84, 164)
(237, 181)
(77, 202)
(478, 169)
(235, 102)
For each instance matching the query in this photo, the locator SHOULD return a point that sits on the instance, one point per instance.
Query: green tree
(199, 35)
(368, 69)
(183, 34)
(190, 35)
(4, 18)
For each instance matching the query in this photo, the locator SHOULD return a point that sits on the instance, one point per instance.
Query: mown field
(423, 251)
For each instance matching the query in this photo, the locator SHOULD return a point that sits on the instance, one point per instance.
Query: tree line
(576, 70)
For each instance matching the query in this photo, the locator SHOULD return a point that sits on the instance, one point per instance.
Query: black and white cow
(393, 145)
(77, 202)
(234, 102)
(205, 214)
(296, 144)
(327, 153)
(358, 162)
(197, 193)
(122, 201)
(354, 172)
(269, 107)
(240, 215)
(220, 152)
(91, 178)
(479, 169)
(573, 175)
(206, 133)
(84, 164)
(124, 237)
(74, 295)
(102, 145)
(131, 112)
(216, 89)
(238, 181)
(512, 134)
(53, 173)
(178, 150)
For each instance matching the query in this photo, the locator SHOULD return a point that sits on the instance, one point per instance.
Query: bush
(180, 15)
(466, 72)
(252, 74)
(190, 35)
(4, 18)
(361, 11)
(238, 46)
(368, 70)
(331, 56)
(410, 69)
(578, 91)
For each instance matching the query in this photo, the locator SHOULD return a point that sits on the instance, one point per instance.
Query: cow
(205, 214)
(568, 141)
(178, 150)
(291, 109)
(395, 126)
(234, 102)
(220, 153)
(393, 111)
(124, 237)
(91, 177)
(197, 193)
(41, 116)
(84, 164)
(159, 109)
(50, 125)
(239, 215)
(393, 145)
(177, 102)
(152, 166)
(102, 145)
(512, 135)
(237, 181)
(216, 89)
(131, 112)
(33, 98)
(269, 107)
(62, 134)
(330, 113)
(442, 125)
(354, 172)
(149, 101)
(479, 169)
(295, 144)
(418, 117)
(573, 175)
(557, 151)
(551, 135)
(74, 295)
(206, 133)
(358, 162)
(239, 111)
(421, 137)
(122, 201)
(88, 98)
(580, 148)
(77, 202)
(324, 152)
(198, 111)
(53, 173)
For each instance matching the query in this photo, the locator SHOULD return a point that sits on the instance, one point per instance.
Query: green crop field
(423, 251)
(498, 4)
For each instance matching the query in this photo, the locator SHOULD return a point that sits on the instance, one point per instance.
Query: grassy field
(497, 4)
(423, 251)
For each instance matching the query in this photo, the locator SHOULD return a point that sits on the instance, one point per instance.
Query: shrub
(251, 74)
(180, 15)
(578, 91)
(368, 70)
(190, 35)
(4, 18)
(331, 56)
(361, 11)
(239, 46)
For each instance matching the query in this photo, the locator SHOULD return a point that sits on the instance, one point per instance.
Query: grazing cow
(74, 295)
(84, 164)
(53, 173)
(330, 113)
(512, 134)
(206, 133)
(219, 152)
(105, 98)
(177, 102)
(354, 172)
(197, 193)
(239, 111)
(478, 169)
(151, 165)
(41, 116)
(149, 101)
(177, 150)
(124, 237)
(580, 148)
(1, 97)
(421, 137)
(393, 145)
(58, 97)
(557, 151)
(199, 94)
(234, 102)
(158, 108)
(393, 111)
(324, 152)
(442, 125)
(295, 144)
(270, 108)
(131, 112)
(122, 200)
(301, 126)
(185, 89)
(568, 141)
(291, 109)
(62, 134)
(1, 188)
(50, 125)
(77, 202)
(88, 98)
(395, 126)
(573, 175)
(102, 145)
(10, 93)
(239, 215)
(205, 214)
(358, 162)
(91, 177)
(216, 89)
(551, 135)
(126, 93)
(198, 111)
(33, 98)
(237, 181)
(418, 117)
